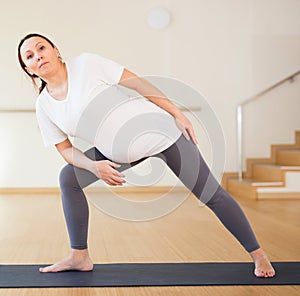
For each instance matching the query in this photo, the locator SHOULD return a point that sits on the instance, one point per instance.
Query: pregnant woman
(66, 89)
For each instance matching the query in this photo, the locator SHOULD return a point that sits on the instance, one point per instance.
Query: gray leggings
(185, 160)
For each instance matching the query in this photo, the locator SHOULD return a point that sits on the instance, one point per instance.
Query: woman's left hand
(186, 127)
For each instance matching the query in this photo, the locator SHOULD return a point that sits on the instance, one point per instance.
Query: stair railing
(239, 118)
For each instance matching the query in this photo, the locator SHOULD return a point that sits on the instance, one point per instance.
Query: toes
(265, 274)
(262, 274)
(259, 273)
(43, 269)
(47, 269)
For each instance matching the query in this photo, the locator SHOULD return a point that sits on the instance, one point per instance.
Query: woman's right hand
(105, 170)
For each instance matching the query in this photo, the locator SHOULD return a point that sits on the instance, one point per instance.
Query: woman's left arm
(153, 94)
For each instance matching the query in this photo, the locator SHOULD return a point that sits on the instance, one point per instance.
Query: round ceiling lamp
(158, 18)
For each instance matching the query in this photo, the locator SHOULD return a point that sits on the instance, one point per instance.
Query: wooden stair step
(260, 183)
(247, 188)
(277, 193)
(271, 172)
(288, 157)
(270, 178)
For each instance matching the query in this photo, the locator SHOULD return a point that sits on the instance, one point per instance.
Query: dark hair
(23, 66)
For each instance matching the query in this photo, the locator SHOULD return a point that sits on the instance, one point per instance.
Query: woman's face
(39, 57)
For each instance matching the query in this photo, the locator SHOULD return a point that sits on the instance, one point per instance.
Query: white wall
(225, 49)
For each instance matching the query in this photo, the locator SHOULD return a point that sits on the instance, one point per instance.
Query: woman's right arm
(103, 169)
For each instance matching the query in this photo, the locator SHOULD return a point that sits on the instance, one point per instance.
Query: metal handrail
(239, 118)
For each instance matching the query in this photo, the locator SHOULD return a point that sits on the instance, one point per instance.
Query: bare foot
(263, 267)
(78, 260)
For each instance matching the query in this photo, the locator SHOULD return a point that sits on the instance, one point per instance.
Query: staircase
(277, 177)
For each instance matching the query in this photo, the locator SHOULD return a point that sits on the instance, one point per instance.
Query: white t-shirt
(122, 125)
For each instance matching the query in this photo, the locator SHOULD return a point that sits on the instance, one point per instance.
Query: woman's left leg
(185, 160)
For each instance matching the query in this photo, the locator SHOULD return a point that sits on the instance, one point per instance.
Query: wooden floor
(32, 230)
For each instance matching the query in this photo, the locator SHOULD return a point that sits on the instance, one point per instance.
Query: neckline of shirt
(68, 92)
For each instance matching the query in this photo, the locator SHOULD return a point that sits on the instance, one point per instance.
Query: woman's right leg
(72, 181)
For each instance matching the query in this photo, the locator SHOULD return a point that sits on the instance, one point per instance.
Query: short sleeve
(104, 68)
(51, 133)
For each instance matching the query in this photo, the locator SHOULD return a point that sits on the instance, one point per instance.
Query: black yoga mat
(149, 274)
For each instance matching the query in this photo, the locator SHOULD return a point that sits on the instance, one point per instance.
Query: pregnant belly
(134, 130)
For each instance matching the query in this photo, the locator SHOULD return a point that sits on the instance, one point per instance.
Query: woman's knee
(220, 198)
(67, 177)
